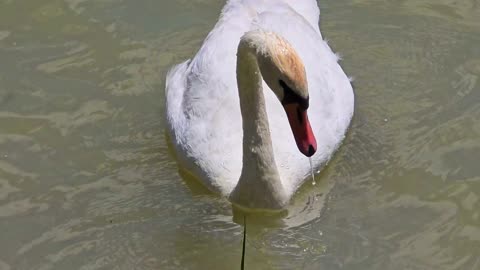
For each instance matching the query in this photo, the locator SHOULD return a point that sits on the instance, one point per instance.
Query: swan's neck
(259, 186)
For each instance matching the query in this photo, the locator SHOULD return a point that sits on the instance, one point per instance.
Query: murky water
(87, 180)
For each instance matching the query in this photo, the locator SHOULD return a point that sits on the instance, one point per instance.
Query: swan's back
(203, 111)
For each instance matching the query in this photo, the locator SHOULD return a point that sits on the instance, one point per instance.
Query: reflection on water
(87, 180)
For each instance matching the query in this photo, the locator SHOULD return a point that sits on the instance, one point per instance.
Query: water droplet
(311, 172)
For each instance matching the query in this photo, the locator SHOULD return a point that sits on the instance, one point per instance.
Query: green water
(87, 180)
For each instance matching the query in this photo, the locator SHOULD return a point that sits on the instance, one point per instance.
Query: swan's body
(219, 142)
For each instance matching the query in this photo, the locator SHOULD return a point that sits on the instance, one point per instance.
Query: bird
(264, 93)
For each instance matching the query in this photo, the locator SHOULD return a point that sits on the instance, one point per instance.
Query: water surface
(87, 180)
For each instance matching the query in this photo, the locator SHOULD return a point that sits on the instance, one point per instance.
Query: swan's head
(284, 72)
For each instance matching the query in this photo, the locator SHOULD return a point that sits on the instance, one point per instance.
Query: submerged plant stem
(242, 265)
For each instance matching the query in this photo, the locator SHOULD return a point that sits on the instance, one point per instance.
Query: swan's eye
(290, 96)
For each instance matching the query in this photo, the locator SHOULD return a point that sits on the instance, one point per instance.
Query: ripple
(4, 265)
(21, 207)
(87, 181)
(4, 34)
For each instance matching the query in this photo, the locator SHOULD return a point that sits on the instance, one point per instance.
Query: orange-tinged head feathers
(290, 65)
(278, 60)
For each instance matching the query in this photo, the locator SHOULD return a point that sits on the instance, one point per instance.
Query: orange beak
(302, 131)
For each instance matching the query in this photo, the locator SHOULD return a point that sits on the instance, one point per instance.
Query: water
(311, 171)
(87, 180)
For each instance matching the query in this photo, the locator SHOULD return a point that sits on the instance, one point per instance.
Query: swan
(263, 93)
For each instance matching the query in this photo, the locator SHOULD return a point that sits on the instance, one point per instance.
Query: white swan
(237, 112)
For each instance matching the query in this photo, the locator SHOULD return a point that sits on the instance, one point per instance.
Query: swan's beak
(302, 131)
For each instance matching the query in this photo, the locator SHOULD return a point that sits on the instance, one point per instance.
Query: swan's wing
(174, 90)
(193, 126)
(308, 9)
